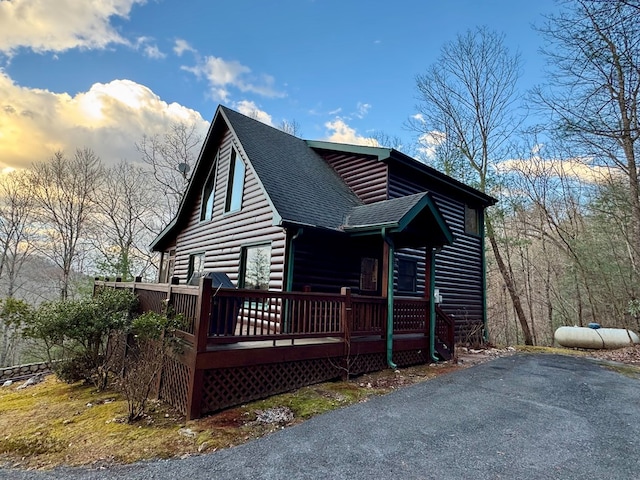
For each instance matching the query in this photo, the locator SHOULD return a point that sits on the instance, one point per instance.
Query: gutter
(390, 262)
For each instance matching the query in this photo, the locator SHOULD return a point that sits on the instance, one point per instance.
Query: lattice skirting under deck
(174, 384)
(227, 387)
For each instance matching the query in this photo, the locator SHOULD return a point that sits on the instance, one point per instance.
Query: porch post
(389, 251)
(431, 256)
(288, 286)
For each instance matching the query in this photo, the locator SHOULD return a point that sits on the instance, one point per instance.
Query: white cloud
(109, 118)
(56, 26)
(250, 109)
(362, 109)
(577, 168)
(182, 46)
(222, 74)
(343, 133)
(429, 142)
(149, 48)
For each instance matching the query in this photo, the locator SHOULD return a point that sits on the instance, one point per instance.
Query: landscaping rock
(275, 415)
(187, 432)
(32, 381)
(8, 383)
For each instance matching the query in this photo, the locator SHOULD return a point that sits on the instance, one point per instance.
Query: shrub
(150, 341)
(78, 331)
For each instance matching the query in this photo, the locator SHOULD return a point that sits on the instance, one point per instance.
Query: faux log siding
(417, 255)
(459, 266)
(223, 237)
(325, 263)
(366, 176)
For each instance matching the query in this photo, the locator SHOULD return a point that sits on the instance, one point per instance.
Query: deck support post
(201, 335)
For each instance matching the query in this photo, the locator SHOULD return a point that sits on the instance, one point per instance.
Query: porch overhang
(413, 220)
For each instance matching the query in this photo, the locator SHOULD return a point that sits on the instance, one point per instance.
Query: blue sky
(102, 73)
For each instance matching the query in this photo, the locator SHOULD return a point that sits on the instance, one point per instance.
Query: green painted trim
(405, 221)
(290, 260)
(483, 262)
(418, 208)
(379, 152)
(432, 307)
(289, 280)
(390, 300)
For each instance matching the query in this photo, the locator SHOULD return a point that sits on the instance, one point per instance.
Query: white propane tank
(583, 337)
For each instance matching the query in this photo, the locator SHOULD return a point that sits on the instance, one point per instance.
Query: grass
(54, 423)
(551, 350)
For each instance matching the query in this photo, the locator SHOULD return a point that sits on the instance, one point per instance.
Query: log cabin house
(342, 259)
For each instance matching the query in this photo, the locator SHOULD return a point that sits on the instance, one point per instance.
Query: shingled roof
(396, 215)
(303, 188)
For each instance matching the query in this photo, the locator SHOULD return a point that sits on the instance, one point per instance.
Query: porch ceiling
(413, 220)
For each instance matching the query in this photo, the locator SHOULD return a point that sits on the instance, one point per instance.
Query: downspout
(484, 280)
(289, 283)
(432, 306)
(390, 262)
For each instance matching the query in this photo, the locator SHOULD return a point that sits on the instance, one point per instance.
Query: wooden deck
(249, 344)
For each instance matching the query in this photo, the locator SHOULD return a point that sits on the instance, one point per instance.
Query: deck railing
(223, 316)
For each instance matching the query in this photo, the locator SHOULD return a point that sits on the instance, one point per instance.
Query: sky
(103, 73)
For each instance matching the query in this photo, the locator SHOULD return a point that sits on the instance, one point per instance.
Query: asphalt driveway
(519, 417)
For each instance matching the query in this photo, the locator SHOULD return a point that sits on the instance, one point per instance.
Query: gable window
(235, 183)
(407, 275)
(255, 267)
(369, 274)
(471, 220)
(206, 210)
(196, 268)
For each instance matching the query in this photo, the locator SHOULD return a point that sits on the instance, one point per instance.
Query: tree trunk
(509, 282)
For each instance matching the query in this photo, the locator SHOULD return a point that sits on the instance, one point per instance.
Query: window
(255, 267)
(196, 268)
(235, 185)
(407, 275)
(166, 266)
(369, 274)
(206, 210)
(471, 220)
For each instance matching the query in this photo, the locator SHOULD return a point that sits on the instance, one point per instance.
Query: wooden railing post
(203, 314)
(201, 334)
(346, 314)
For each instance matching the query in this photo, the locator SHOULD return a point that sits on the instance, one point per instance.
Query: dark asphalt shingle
(304, 189)
(382, 213)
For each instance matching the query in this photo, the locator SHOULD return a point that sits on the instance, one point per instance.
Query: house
(325, 216)
(345, 258)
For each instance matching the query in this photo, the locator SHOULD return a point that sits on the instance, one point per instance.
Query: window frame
(242, 273)
(369, 278)
(191, 271)
(472, 220)
(235, 187)
(167, 264)
(413, 275)
(210, 188)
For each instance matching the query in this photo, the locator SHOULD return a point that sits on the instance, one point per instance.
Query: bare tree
(171, 158)
(291, 127)
(64, 191)
(594, 89)
(469, 95)
(16, 227)
(126, 217)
